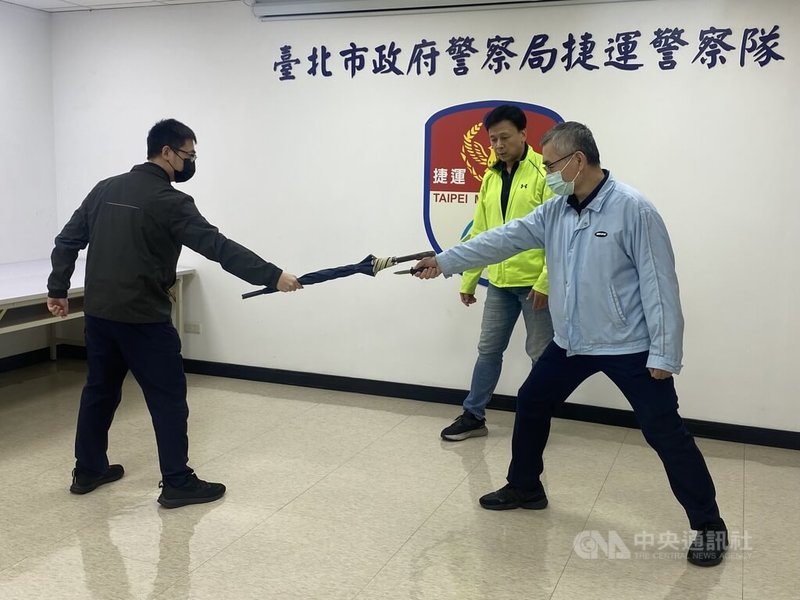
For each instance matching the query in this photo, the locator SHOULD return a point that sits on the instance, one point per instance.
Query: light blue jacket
(613, 287)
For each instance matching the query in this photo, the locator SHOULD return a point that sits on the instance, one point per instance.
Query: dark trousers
(655, 404)
(152, 352)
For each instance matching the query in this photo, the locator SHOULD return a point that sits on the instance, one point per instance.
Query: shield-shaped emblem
(457, 154)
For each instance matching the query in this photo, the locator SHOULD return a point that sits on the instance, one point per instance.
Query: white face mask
(556, 182)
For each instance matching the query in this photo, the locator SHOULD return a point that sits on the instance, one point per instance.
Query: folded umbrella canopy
(369, 266)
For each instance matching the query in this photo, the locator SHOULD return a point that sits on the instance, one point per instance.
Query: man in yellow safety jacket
(511, 188)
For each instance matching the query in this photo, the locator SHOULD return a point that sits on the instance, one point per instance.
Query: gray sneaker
(465, 426)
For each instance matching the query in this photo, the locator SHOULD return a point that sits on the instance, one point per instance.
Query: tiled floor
(340, 496)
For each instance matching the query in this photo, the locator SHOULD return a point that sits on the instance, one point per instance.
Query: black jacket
(135, 225)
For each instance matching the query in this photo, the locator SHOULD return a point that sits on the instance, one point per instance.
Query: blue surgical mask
(556, 182)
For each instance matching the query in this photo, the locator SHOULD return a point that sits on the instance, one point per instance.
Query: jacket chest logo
(600, 234)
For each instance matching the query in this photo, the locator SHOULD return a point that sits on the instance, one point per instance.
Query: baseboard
(71, 351)
(26, 359)
(576, 412)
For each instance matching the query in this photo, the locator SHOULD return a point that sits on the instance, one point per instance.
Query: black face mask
(187, 173)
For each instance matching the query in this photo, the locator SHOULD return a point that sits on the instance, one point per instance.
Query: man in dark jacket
(135, 225)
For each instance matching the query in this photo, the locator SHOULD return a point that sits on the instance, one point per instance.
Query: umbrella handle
(417, 256)
(411, 271)
(256, 293)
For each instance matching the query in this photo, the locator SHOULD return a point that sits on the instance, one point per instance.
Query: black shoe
(194, 491)
(83, 484)
(709, 545)
(508, 497)
(465, 426)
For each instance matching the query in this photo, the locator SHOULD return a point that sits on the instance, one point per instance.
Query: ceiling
(73, 5)
(302, 5)
(273, 6)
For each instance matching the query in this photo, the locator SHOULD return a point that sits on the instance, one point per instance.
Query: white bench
(23, 298)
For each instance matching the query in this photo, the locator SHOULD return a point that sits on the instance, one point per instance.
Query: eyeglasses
(549, 167)
(190, 156)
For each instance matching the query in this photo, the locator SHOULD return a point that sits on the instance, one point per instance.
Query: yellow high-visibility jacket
(528, 190)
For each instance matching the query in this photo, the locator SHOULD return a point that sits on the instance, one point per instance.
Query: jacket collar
(153, 169)
(603, 193)
(526, 156)
(599, 199)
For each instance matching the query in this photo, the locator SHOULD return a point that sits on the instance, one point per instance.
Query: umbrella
(370, 265)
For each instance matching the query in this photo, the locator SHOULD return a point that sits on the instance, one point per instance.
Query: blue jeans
(500, 314)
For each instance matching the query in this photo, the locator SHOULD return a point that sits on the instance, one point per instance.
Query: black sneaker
(465, 426)
(508, 497)
(709, 545)
(83, 483)
(194, 491)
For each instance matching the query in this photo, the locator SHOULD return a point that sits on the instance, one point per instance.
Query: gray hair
(573, 137)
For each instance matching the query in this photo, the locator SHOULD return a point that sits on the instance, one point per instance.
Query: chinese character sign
(664, 48)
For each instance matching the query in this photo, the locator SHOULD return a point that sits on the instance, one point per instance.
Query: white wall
(27, 180)
(317, 172)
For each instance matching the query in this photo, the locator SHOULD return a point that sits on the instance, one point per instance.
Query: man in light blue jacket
(616, 309)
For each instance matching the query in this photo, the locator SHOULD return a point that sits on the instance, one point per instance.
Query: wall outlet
(191, 327)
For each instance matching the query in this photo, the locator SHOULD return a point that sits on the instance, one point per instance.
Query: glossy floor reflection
(346, 496)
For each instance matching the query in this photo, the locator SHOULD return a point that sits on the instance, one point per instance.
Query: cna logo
(457, 154)
(593, 545)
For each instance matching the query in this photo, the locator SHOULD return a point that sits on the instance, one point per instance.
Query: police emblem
(457, 154)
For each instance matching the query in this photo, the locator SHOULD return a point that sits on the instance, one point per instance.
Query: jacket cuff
(442, 259)
(275, 274)
(56, 293)
(663, 363)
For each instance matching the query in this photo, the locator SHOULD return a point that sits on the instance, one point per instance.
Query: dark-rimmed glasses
(190, 156)
(549, 167)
